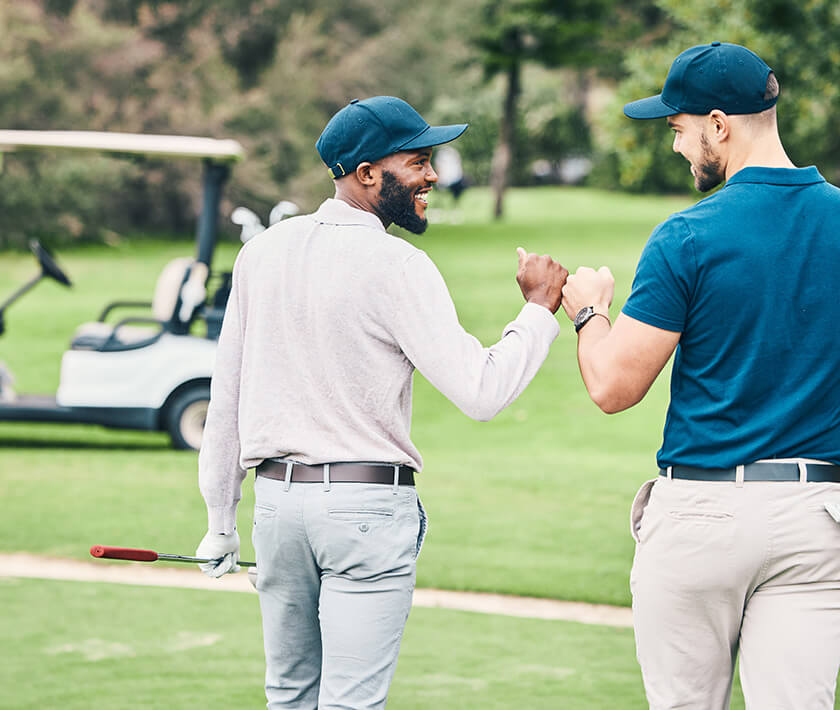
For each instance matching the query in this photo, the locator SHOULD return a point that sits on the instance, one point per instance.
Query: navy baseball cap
(712, 76)
(370, 129)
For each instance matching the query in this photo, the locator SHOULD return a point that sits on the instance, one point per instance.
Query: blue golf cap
(712, 76)
(370, 129)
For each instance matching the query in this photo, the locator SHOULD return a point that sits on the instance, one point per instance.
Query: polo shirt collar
(777, 176)
(338, 212)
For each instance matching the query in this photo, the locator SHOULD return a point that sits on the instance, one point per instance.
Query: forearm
(479, 381)
(619, 363)
(220, 473)
(597, 366)
(483, 381)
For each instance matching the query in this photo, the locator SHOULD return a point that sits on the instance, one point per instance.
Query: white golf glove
(223, 549)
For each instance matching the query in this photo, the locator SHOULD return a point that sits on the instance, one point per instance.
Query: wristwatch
(586, 314)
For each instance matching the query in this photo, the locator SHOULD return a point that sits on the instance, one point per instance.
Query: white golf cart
(144, 369)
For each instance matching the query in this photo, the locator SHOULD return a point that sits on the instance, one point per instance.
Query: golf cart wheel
(185, 417)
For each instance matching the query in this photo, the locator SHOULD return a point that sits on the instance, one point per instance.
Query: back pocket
(263, 511)
(700, 516)
(361, 515)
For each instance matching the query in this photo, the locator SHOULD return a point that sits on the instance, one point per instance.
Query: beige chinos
(721, 566)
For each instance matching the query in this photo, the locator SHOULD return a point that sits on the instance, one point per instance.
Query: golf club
(130, 553)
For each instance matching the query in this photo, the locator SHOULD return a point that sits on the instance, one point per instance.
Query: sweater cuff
(538, 318)
(221, 519)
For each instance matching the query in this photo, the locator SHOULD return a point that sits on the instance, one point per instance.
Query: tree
(554, 33)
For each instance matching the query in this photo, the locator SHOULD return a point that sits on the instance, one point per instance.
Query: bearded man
(737, 548)
(328, 317)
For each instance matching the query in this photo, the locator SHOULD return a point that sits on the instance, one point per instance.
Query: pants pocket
(263, 511)
(422, 529)
(361, 515)
(701, 516)
(638, 508)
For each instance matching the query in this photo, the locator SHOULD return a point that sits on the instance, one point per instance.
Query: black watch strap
(586, 314)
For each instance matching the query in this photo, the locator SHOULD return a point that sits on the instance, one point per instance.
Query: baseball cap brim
(435, 135)
(651, 107)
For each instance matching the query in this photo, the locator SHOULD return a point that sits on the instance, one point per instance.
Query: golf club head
(249, 221)
(282, 210)
(252, 576)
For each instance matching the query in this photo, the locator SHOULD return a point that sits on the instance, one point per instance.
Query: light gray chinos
(337, 569)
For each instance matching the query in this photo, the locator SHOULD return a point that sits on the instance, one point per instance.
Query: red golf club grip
(123, 553)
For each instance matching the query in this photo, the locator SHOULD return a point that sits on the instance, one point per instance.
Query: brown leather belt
(349, 472)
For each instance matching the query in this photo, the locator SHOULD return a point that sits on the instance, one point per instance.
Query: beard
(708, 173)
(396, 204)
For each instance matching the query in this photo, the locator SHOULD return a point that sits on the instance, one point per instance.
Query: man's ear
(718, 125)
(367, 174)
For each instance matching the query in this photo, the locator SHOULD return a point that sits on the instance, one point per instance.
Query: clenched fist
(541, 279)
(587, 287)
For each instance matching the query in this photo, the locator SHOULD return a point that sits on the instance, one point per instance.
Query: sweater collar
(338, 212)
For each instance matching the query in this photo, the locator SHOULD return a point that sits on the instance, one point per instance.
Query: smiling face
(407, 179)
(691, 141)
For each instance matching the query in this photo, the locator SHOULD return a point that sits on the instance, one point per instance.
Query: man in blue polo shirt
(736, 546)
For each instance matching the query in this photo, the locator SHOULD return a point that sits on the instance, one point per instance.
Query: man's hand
(541, 279)
(223, 549)
(587, 287)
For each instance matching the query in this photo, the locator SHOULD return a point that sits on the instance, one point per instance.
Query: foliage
(553, 33)
(511, 33)
(550, 125)
(798, 40)
(268, 73)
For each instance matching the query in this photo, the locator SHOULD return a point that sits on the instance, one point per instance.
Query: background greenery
(269, 73)
(535, 502)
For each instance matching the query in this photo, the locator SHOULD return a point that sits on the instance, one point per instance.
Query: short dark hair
(771, 91)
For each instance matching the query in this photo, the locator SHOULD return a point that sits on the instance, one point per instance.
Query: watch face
(582, 315)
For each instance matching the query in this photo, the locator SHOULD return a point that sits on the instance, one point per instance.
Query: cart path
(137, 573)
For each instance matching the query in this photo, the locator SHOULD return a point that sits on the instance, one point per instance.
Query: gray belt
(759, 471)
(338, 472)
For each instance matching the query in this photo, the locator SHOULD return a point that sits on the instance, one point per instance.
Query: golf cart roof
(172, 146)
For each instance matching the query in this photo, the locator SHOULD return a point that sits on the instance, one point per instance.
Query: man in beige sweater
(328, 317)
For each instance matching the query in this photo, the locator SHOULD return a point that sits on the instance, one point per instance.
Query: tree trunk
(503, 154)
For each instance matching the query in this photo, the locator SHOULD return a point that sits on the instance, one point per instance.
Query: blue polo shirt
(751, 278)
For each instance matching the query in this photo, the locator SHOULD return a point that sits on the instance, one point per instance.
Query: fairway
(534, 503)
(125, 648)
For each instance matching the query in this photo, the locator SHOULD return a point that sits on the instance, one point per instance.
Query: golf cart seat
(179, 292)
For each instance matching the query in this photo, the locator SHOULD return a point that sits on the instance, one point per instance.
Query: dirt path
(137, 573)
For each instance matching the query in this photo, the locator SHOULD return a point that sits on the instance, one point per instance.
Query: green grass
(124, 648)
(534, 502)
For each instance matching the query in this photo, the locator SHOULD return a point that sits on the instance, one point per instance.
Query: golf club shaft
(184, 558)
(138, 555)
